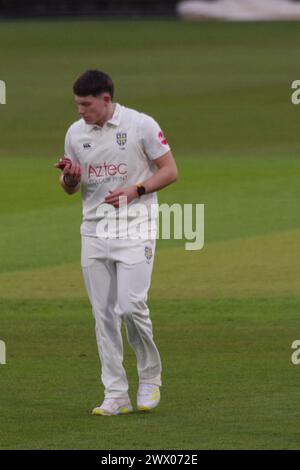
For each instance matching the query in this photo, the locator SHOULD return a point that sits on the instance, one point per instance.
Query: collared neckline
(116, 117)
(113, 121)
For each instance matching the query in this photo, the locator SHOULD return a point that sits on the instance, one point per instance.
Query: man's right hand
(71, 174)
(63, 162)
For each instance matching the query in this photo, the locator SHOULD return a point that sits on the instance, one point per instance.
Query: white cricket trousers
(117, 275)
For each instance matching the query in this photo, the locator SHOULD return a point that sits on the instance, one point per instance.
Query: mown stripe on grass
(263, 266)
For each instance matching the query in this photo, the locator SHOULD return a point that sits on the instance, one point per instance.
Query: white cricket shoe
(113, 406)
(148, 397)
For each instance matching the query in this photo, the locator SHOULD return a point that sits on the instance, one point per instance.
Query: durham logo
(2, 352)
(121, 138)
(2, 92)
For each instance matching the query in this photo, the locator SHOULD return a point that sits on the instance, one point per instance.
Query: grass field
(224, 317)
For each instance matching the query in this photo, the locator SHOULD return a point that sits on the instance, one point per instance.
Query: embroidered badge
(121, 138)
(148, 253)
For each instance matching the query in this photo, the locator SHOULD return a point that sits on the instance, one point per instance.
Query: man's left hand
(113, 197)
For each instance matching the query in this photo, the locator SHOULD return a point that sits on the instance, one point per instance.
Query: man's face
(92, 108)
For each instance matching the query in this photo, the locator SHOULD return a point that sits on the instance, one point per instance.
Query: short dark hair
(93, 82)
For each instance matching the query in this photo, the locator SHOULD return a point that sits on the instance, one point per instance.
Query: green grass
(227, 377)
(224, 317)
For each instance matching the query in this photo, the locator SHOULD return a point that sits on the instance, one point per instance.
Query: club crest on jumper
(121, 138)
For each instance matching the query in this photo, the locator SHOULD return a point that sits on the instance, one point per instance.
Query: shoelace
(146, 388)
(110, 401)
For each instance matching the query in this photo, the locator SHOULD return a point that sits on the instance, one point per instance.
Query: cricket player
(114, 154)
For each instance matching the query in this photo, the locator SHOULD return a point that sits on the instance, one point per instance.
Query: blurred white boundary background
(239, 10)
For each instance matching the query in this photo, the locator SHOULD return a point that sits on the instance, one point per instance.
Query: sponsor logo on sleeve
(162, 138)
